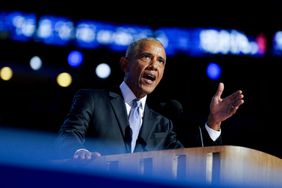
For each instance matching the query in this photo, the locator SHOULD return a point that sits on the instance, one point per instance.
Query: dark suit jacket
(98, 122)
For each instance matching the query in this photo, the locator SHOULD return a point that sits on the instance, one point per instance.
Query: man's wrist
(214, 134)
(211, 123)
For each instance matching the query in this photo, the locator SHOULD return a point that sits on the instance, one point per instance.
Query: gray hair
(132, 47)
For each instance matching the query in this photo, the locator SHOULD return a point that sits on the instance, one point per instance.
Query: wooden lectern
(224, 165)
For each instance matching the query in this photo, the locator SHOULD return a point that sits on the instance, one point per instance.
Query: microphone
(201, 137)
(140, 144)
(172, 109)
(128, 138)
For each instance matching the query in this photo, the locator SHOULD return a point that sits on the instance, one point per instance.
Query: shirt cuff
(213, 133)
(82, 149)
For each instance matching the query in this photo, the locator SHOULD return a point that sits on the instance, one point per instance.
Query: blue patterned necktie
(134, 121)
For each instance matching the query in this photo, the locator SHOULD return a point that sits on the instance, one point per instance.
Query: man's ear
(123, 64)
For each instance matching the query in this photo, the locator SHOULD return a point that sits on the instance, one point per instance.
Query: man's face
(145, 67)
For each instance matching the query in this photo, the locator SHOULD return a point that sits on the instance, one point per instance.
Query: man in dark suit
(98, 124)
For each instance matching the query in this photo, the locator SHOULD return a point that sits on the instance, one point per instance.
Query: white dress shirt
(128, 96)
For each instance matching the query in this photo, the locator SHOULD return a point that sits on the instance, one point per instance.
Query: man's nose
(154, 63)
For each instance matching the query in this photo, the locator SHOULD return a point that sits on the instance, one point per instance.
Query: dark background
(34, 101)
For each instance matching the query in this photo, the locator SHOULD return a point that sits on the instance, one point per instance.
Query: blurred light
(23, 25)
(105, 33)
(4, 26)
(240, 42)
(55, 30)
(35, 63)
(213, 71)
(45, 29)
(75, 58)
(161, 36)
(64, 79)
(277, 43)
(85, 34)
(177, 40)
(214, 41)
(64, 29)
(278, 39)
(105, 36)
(168, 38)
(103, 70)
(92, 34)
(6, 73)
(223, 42)
(124, 35)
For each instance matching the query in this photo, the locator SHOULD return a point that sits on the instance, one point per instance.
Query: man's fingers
(86, 155)
(96, 154)
(237, 98)
(220, 89)
(82, 154)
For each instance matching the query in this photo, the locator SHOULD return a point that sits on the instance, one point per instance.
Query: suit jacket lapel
(147, 127)
(119, 109)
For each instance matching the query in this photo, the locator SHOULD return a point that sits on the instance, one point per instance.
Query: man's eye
(146, 58)
(161, 61)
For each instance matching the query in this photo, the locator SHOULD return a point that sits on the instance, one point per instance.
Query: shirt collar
(129, 96)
